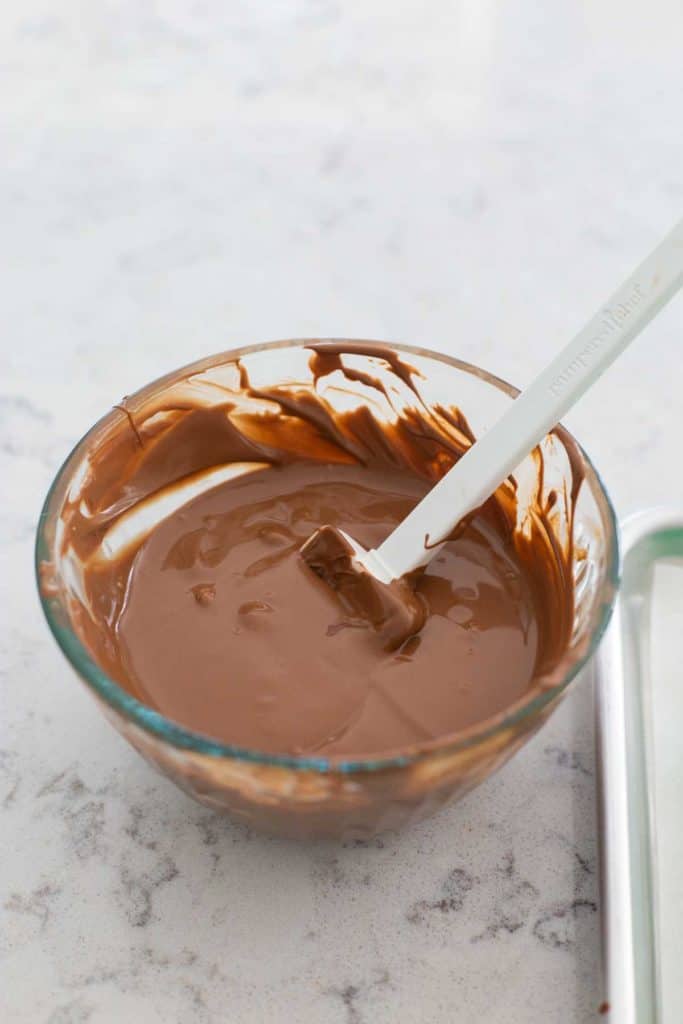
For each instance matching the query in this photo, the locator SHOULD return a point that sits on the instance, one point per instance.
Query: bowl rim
(171, 732)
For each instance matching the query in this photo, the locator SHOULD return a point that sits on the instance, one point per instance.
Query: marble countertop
(176, 179)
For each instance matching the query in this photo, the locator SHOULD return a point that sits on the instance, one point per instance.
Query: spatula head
(392, 608)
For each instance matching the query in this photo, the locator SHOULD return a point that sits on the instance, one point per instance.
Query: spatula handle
(529, 418)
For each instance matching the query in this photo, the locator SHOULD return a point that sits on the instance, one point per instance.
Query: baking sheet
(640, 756)
(666, 675)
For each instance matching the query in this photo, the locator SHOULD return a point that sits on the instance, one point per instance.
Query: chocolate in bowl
(340, 404)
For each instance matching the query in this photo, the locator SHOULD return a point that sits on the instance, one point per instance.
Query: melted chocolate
(213, 618)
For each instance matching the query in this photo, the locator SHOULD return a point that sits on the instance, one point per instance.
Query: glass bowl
(342, 797)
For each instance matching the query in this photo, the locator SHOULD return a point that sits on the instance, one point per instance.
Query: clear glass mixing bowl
(337, 797)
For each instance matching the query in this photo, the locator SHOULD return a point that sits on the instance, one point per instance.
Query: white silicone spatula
(529, 418)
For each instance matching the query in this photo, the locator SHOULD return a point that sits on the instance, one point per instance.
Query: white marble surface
(178, 177)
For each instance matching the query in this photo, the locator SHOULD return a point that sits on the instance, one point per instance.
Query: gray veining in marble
(177, 178)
